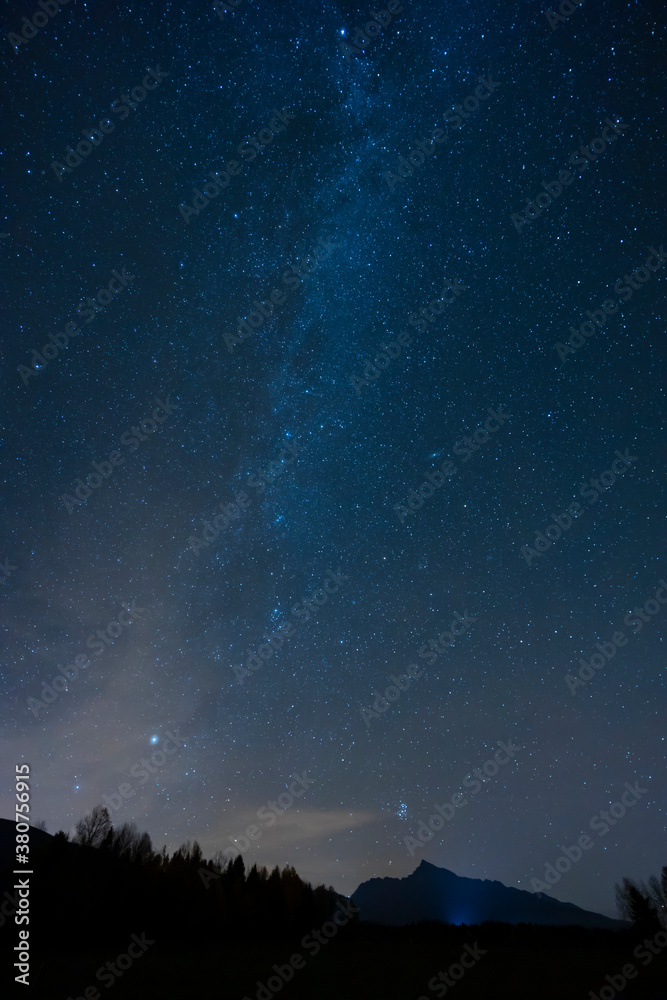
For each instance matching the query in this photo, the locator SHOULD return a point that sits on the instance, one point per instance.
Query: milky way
(333, 430)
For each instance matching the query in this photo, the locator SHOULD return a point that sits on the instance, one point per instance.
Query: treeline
(107, 883)
(644, 905)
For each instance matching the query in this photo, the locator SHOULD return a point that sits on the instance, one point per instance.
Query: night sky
(280, 444)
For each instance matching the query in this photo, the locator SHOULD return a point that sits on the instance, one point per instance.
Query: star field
(234, 408)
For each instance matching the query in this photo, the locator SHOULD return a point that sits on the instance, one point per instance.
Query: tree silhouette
(188, 854)
(657, 888)
(165, 894)
(127, 843)
(636, 905)
(92, 830)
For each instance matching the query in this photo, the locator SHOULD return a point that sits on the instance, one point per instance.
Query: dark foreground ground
(397, 968)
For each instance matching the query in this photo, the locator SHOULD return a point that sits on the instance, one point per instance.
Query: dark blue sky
(296, 458)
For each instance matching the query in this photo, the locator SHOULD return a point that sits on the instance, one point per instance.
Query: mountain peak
(438, 894)
(425, 867)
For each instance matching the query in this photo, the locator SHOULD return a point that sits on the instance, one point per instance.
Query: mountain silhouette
(432, 893)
